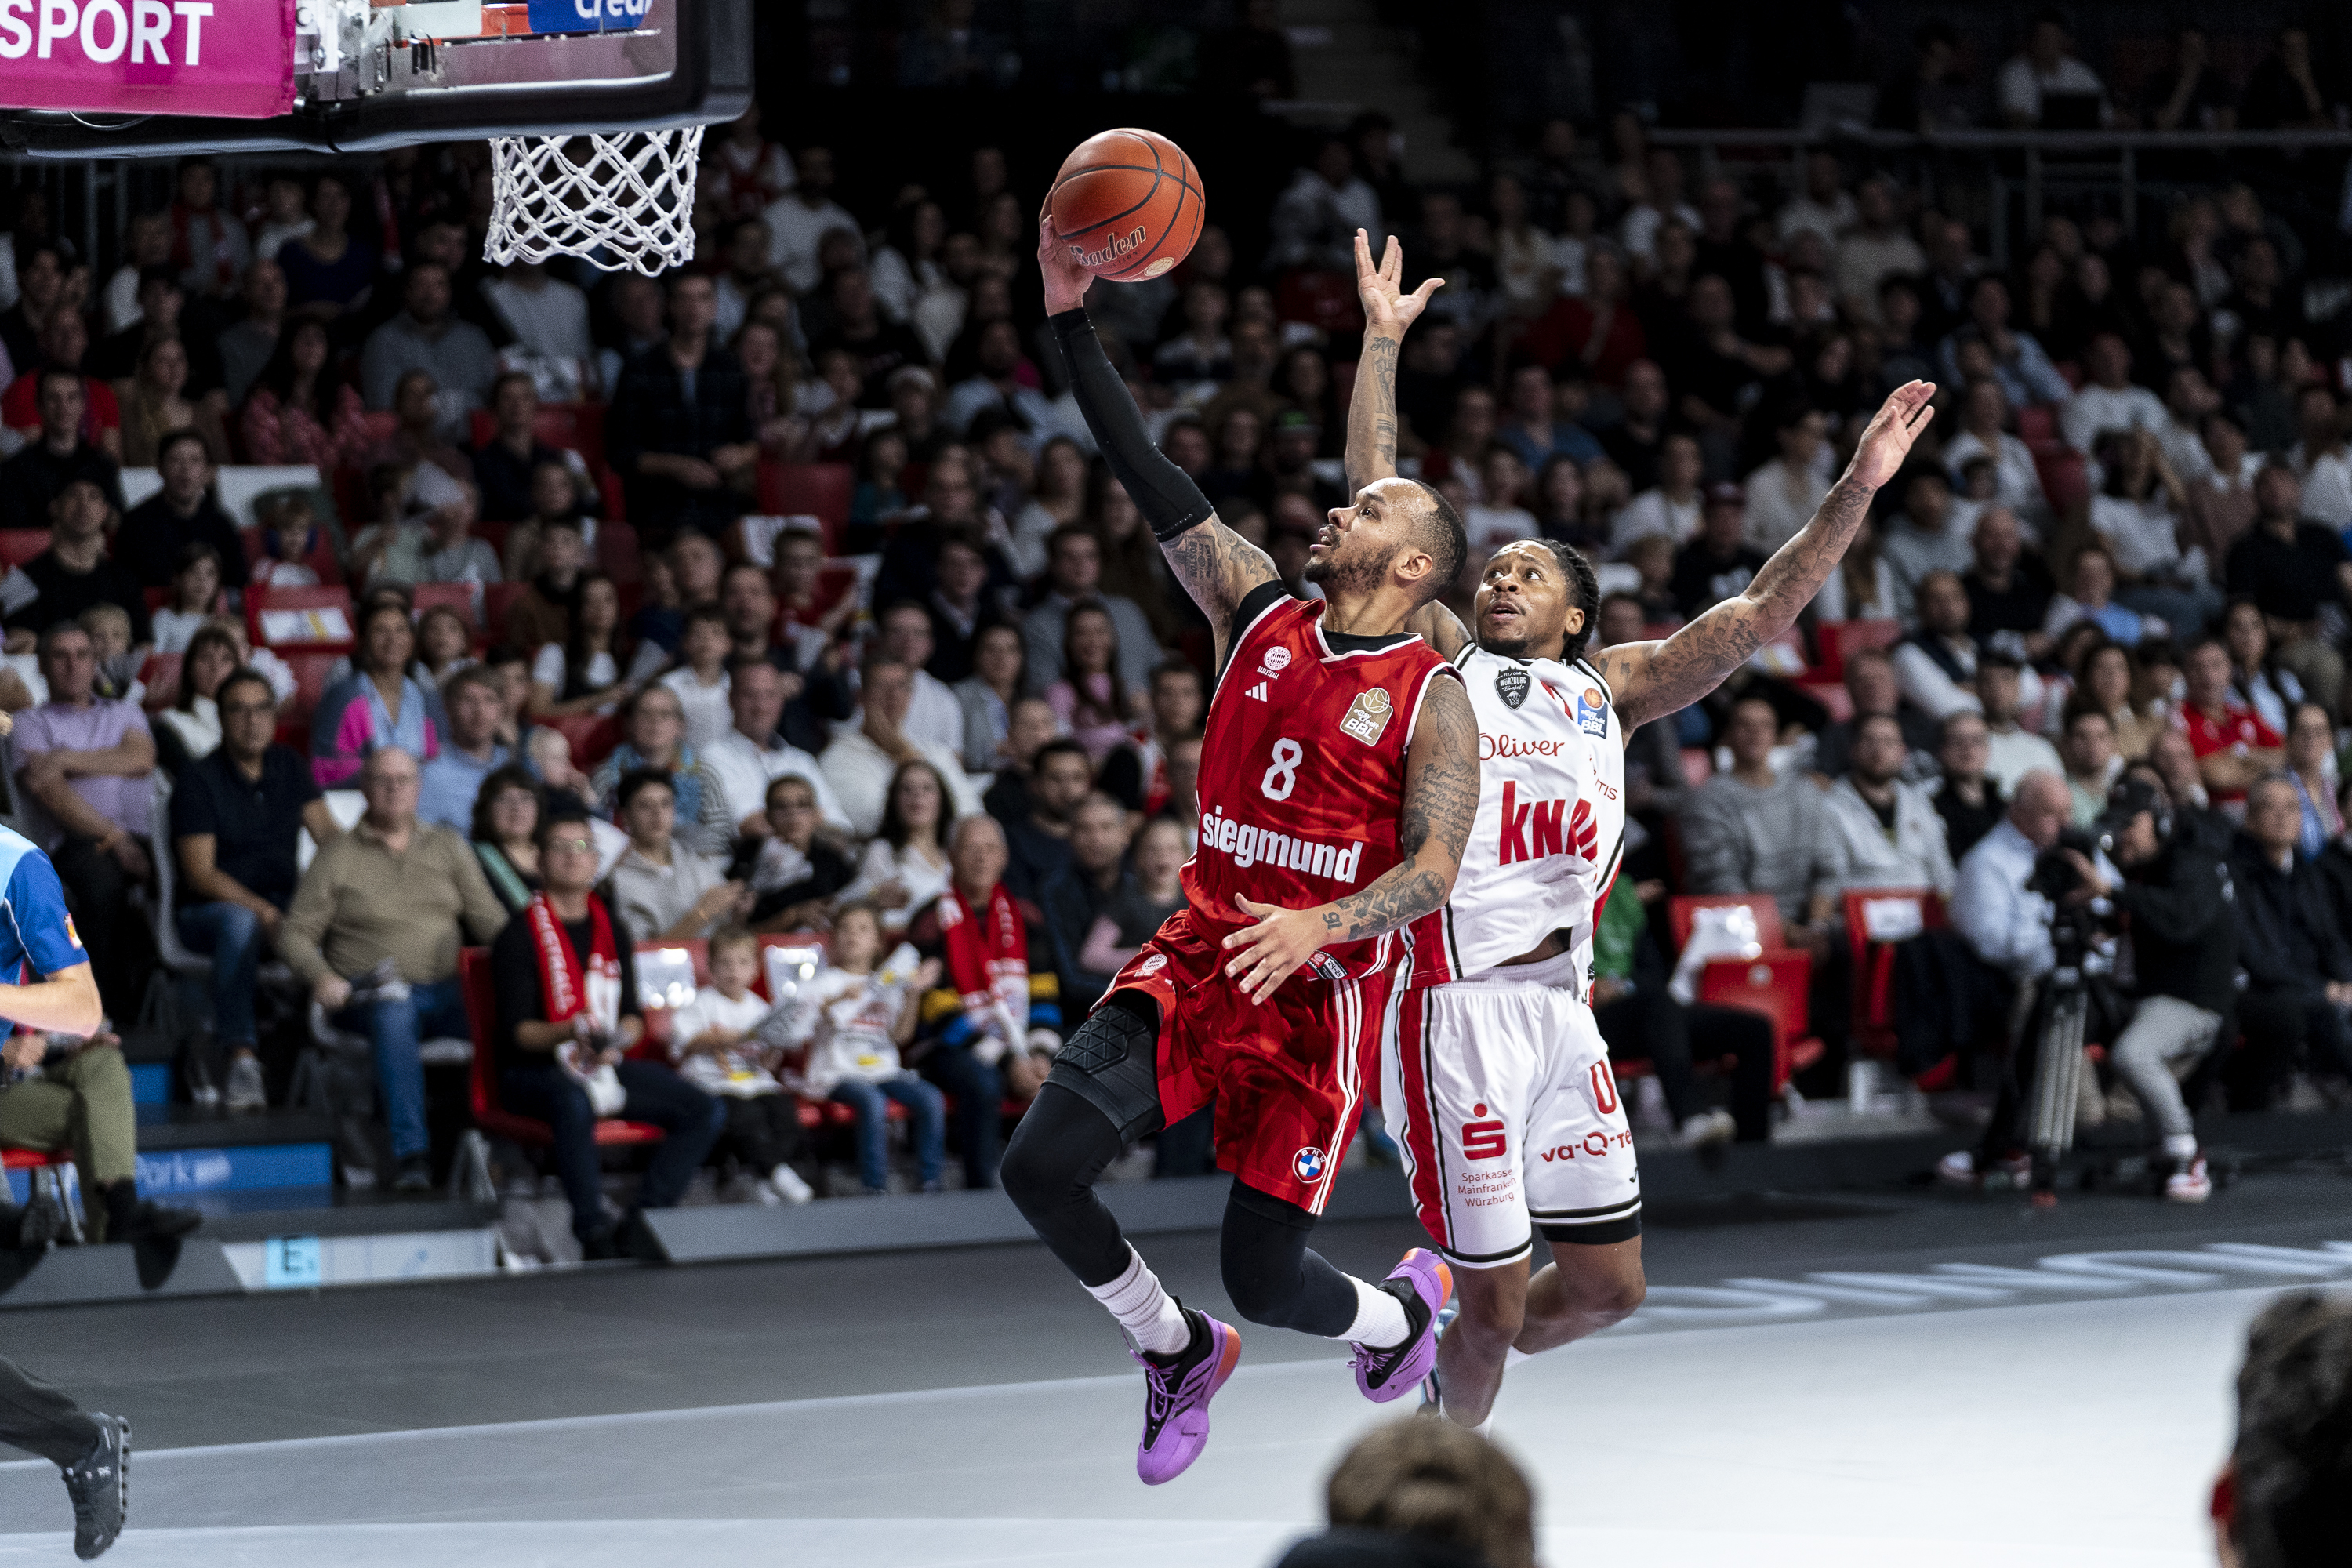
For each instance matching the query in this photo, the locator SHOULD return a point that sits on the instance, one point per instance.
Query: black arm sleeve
(1171, 502)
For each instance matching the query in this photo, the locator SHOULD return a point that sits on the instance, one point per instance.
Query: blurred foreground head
(2284, 1500)
(1426, 1492)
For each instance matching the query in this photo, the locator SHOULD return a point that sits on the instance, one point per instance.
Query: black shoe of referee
(100, 1486)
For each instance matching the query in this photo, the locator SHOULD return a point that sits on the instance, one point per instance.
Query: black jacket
(2288, 939)
(2334, 863)
(2183, 906)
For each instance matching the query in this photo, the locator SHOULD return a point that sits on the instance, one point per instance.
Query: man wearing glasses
(235, 816)
(382, 905)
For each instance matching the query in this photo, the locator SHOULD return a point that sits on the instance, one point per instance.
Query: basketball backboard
(95, 79)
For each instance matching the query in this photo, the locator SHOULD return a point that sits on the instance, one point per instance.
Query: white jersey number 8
(1282, 777)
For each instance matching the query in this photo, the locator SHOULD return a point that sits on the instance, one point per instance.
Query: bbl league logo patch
(1511, 686)
(1593, 711)
(1368, 719)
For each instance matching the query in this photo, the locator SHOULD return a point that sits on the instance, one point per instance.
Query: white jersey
(1551, 816)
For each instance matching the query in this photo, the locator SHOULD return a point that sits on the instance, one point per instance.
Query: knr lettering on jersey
(1250, 844)
(1533, 830)
(105, 31)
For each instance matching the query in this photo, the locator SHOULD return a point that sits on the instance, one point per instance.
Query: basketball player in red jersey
(1339, 778)
(1496, 1063)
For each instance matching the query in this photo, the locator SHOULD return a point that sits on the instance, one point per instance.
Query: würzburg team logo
(1308, 1164)
(1511, 686)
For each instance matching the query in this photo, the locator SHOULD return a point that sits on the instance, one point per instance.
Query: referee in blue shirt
(55, 994)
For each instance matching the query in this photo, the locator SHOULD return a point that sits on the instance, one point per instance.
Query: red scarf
(563, 986)
(988, 961)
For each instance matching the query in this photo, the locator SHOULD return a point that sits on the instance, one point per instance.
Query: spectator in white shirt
(1936, 666)
(2138, 513)
(935, 716)
(1984, 430)
(1672, 508)
(2108, 401)
(2007, 926)
(1924, 536)
(2046, 70)
(752, 755)
(2319, 458)
(550, 317)
(1824, 208)
(2011, 751)
(798, 220)
(1314, 220)
(700, 679)
(1659, 198)
(1783, 494)
(860, 761)
(1497, 518)
(1873, 250)
(2188, 398)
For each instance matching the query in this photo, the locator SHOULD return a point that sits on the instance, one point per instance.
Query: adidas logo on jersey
(1259, 692)
(1537, 828)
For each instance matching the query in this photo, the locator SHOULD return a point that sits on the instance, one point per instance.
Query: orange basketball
(1130, 204)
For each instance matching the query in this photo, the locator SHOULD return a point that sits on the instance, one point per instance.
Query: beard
(1344, 572)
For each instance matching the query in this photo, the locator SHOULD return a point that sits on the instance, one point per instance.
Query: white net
(620, 200)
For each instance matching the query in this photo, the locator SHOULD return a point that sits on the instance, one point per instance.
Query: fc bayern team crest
(1309, 1164)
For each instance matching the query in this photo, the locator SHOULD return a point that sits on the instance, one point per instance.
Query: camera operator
(2007, 922)
(2179, 963)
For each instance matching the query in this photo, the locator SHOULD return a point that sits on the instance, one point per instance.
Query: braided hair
(1585, 594)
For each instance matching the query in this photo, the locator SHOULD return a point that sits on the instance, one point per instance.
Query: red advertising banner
(230, 58)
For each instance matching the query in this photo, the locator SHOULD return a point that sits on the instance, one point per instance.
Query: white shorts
(1500, 1096)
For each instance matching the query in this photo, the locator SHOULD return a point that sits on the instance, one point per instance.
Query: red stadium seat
(497, 599)
(2037, 422)
(481, 1015)
(1840, 639)
(1325, 300)
(592, 736)
(575, 426)
(18, 545)
(1779, 986)
(2065, 480)
(160, 676)
(459, 597)
(311, 673)
(1873, 966)
(823, 490)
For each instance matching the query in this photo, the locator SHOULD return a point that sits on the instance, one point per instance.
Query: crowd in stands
(784, 594)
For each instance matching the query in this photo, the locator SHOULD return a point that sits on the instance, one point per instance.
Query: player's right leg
(1100, 1098)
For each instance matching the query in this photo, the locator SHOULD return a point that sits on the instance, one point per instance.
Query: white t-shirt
(2142, 533)
(735, 1072)
(707, 716)
(1492, 527)
(1652, 512)
(847, 1020)
(880, 865)
(745, 772)
(176, 628)
(549, 669)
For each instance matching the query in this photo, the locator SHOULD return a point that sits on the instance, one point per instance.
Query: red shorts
(1286, 1076)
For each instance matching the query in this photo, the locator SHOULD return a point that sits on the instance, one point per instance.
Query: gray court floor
(1774, 1406)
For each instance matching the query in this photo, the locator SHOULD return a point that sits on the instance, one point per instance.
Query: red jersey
(2239, 729)
(1302, 770)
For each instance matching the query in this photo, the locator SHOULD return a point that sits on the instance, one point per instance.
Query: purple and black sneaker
(1423, 1282)
(1176, 1398)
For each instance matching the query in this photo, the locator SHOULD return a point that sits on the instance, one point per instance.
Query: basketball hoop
(619, 201)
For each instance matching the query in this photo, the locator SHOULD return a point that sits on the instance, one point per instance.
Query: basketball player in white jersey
(1494, 1079)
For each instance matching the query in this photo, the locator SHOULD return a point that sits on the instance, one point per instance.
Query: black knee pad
(1113, 1064)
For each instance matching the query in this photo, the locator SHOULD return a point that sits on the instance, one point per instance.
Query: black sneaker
(100, 1486)
(415, 1174)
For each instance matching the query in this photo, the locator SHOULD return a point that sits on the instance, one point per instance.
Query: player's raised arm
(1389, 312)
(1653, 679)
(1441, 803)
(1217, 566)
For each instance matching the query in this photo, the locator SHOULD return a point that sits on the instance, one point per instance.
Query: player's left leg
(1476, 1346)
(1584, 1194)
(1588, 1285)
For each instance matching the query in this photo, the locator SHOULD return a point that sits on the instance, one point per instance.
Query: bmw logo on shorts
(1309, 1164)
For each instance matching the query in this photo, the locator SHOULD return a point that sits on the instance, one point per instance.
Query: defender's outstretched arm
(1217, 566)
(1650, 680)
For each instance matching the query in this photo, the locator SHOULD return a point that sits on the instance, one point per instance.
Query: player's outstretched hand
(1388, 309)
(1066, 280)
(1879, 454)
(1265, 955)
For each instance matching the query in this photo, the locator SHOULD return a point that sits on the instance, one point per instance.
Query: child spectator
(711, 1046)
(1143, 902)
(854, 1017)
(288, 542)
(196, 590)
(445, 643)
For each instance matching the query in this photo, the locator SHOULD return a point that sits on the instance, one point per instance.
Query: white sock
(1144, 1309)
(1380, 1321)
(1513, 1356)
(2181, 1145)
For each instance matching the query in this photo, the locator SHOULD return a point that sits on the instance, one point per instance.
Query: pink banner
(230, 58)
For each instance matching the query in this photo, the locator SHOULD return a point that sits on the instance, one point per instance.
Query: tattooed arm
(1653, 679)
(1440, 803)
(1217, 566)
